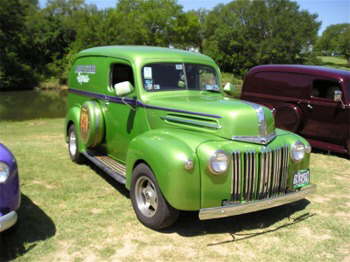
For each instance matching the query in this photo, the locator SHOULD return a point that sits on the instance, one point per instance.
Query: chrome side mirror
(123, 88)
(337, 95)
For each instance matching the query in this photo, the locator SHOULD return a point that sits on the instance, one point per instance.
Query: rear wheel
(73, 149)
(150, 206)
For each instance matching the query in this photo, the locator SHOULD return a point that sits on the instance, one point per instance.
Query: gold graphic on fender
(84, 123)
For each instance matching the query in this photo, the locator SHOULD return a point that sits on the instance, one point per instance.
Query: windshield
(177, 76)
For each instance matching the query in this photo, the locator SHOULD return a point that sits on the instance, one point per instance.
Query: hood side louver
(191, 121)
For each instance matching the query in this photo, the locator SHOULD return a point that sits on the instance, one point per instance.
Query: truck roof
(313, 70)
(130, 52)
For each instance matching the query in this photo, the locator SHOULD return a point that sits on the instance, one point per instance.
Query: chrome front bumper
(8, 220)
(238, 209)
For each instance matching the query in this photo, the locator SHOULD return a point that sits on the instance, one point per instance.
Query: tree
(335, 40)
(245, 33)
(15, 44)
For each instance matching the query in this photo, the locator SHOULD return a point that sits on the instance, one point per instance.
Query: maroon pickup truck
(310, 100)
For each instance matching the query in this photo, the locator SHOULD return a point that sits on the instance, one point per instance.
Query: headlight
(218, 163)
(298, 151)
(4, 172)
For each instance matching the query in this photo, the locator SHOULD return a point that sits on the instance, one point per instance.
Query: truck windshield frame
(171, 76)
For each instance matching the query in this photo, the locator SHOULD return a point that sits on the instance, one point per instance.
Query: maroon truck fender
(288, 117)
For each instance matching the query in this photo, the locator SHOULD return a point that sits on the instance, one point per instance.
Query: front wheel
(73, 150)
(148, 202)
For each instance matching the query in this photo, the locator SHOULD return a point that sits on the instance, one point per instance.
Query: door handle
(309, 106)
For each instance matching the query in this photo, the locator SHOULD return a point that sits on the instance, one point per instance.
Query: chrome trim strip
(8, 220)
(248, 207)
(191, 122)
(135, 102)
(256, 139)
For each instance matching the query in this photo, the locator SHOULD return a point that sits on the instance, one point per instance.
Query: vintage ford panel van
(313, 101)
(156, 120)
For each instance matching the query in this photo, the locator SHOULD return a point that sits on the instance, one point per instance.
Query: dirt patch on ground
(307, 233)
(319, 199)
(42, 183)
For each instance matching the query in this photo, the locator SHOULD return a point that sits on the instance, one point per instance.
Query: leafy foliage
(40, 43)
(16, 66)
(243, 34)
(335, 40)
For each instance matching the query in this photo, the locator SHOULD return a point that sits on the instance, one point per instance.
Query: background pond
(33, 104)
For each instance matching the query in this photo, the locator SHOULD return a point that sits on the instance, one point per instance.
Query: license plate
(301, 178)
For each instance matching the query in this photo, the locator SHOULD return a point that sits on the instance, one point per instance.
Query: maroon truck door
(324, 119)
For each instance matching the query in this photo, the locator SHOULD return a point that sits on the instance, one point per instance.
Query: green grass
(334, 62)
(73, 212)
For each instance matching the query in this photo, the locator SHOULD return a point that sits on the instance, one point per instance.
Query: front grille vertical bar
(235, 177)
(269, 172)
(251, 189)
(283, 156)
(246, 176)
(251, 175)
(255, 175)
(262, 175)
(280, 173)
(277, 167)
(266, 175)
(273, 171)
(284, 176)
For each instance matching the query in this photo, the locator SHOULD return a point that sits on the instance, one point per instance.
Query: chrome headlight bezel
(218, 162)
(4, 172)
(308, 148)
(298, 150)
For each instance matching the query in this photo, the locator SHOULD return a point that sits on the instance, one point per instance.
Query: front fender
(165, 151)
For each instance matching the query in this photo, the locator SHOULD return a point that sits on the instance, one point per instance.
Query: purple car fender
(9, 191)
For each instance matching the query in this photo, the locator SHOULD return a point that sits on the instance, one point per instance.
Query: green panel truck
(157, 120)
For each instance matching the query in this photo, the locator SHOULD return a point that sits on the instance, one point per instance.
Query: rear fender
(73, 117)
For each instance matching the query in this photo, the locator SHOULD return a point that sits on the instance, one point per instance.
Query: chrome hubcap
(146, 196)
(72, 145)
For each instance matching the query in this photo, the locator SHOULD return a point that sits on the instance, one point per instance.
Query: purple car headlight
(4, 172)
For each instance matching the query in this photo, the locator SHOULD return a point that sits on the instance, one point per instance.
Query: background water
(33, 104)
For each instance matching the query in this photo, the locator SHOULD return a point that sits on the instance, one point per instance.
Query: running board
(108, 165)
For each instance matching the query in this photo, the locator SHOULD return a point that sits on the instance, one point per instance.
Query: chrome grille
(259, 175)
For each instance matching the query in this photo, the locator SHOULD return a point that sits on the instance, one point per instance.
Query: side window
(324, 89)
(121, 73)
(207, 79)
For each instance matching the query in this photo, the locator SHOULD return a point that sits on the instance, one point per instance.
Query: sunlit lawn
(335, 62)
(75, 213)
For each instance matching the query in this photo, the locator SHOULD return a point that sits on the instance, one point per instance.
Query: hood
(225, 117)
